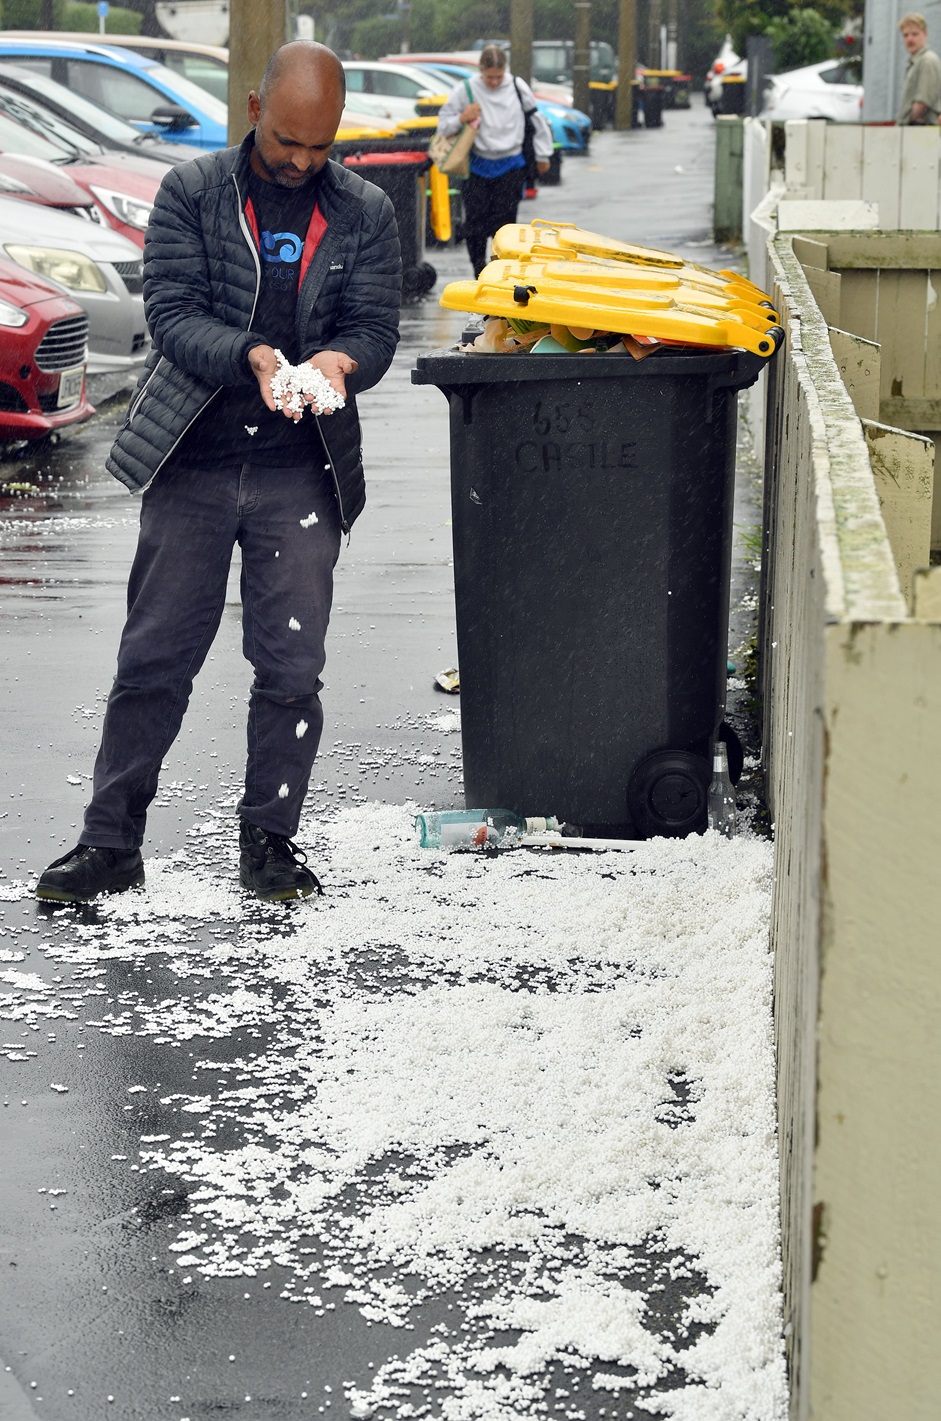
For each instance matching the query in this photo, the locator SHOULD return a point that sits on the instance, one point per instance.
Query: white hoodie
(500, 134)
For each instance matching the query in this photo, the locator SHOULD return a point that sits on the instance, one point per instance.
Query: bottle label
(468, 836)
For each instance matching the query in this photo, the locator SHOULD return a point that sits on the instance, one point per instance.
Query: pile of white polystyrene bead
(290, 383)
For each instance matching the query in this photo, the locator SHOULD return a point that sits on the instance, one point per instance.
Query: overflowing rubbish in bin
(592, 525)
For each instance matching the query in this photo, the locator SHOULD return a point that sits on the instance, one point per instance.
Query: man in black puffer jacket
(250, 251)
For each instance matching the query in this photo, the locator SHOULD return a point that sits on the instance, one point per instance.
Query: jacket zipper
(246, 233)
(336, 482)
(132, 409)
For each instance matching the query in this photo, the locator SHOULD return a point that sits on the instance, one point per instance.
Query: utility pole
(521, 39)
(256, 28)
(654, 37)
(627, 53)
(581, 66)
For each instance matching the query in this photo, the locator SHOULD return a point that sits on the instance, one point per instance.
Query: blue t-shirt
(222, 434)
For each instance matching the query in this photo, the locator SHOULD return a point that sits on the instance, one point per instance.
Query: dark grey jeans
(287, 525)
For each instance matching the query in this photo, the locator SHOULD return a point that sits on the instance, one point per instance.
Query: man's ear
(254, 108)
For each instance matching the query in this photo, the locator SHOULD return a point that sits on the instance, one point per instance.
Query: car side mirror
(173, 117)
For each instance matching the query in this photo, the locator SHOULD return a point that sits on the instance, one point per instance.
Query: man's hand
(471, 113)
(333, 364)
(264, 364)
(542, 168)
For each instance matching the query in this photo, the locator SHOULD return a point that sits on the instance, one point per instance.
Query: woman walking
(498, 103)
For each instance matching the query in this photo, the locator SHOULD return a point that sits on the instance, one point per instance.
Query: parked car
(204, 64)
(43, 339)
(554, 61)
(122, 196)
(93, 129)
(828, 90)
(137, 89)
(398, 87)
(45, 185)
(726, 63)
(469, 59)
(91, 264)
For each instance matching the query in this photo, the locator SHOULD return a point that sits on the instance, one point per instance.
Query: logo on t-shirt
(281, 246)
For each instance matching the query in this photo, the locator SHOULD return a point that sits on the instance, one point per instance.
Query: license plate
(70, 386)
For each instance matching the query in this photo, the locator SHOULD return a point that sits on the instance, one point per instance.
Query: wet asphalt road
(91, 1306)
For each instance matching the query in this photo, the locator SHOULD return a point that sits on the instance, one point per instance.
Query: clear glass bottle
(720, 804)
(477, 828)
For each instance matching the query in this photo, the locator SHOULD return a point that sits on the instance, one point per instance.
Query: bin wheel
(667, 794)
(734, 750)
(554, 176)
(418, 280)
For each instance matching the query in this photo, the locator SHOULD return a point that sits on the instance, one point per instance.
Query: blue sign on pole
(102, 9)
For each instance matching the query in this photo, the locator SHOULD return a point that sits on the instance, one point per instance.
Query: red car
(43, 338)
(119, 188)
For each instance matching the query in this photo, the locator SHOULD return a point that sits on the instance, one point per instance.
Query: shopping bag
(450, 152)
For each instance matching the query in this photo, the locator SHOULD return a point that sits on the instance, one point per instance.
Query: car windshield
(438, 76)
(190, 95)
(102, 120)
(14, 138)
(47, 125)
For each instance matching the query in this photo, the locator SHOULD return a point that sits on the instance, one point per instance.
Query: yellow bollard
(440, 186)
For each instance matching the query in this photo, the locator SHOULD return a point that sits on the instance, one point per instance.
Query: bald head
(302, 64)
(296, 112)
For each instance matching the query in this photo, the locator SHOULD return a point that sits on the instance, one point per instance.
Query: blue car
(571, 129)
(144, 93)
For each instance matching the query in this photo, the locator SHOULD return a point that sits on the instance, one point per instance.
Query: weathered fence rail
(851, 666)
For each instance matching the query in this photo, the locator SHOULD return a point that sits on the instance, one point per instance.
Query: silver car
(96, 266)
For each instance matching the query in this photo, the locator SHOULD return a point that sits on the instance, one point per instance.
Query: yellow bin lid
(684, 284)
(563, 241)
(648, 313)
(520, 240)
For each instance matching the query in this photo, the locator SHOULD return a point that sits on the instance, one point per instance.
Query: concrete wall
(852, 694)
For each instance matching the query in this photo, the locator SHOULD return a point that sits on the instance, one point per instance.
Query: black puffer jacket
(201, 277)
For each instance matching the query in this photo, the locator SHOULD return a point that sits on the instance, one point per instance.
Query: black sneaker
(271, 867)
(85, 871)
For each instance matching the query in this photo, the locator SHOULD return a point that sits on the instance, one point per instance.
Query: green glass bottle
(477, 828)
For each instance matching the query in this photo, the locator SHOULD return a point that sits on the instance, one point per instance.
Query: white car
(828, 90)
(96, 266)
(397, 87)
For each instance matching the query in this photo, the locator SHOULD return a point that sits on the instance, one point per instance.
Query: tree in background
(795, 28)
(65, 15)
(803, 37)
(370, 28)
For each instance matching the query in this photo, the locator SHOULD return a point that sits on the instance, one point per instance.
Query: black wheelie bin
(592, 528)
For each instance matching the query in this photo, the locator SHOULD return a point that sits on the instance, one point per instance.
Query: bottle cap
(542, 825)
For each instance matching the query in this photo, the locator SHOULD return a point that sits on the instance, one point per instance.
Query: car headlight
(12, 315)
(69, 269)
(132, 210)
